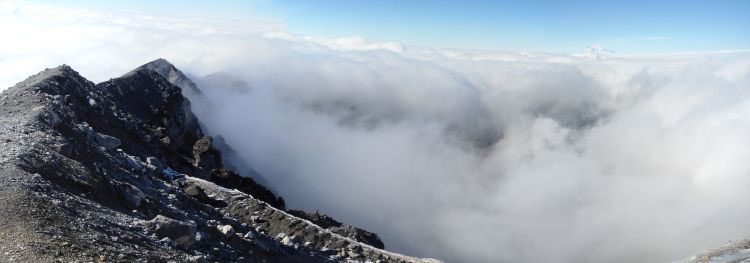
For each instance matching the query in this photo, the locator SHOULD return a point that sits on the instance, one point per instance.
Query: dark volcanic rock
(201, 146)
(205, 157)
(112, 173)
(231, 179)
(108, 142)
(337, 227)
(319, 219)
(142, 104)
(173, 75)
(359, 234)
(181, 232)
(198, 193)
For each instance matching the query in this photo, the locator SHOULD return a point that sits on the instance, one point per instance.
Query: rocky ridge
(121, 171)
(731, 252)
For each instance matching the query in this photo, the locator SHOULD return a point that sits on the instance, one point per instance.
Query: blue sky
(552, 26)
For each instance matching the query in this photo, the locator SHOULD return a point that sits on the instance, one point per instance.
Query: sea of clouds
(464, 156)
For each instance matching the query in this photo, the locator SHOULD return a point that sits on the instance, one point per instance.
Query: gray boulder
(108, 142)
(47, 116)
(154, 164)
(131, 195)
(183, 233)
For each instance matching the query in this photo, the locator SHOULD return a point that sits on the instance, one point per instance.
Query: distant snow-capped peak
(595, 51)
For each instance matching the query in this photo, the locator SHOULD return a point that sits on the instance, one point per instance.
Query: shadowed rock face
(173, 75)
(148, 114)
(231, 179)
(111, 172)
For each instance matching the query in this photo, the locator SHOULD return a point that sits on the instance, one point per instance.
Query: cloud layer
(465, 156)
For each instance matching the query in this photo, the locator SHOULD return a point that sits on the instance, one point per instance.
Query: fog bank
(465, 156)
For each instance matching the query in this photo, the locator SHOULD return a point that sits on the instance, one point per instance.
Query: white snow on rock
(227, 230)
(595, 52)
(732, 252)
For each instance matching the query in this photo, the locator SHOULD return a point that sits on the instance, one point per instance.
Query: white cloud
(467, 156)
(342, 44)
(7, 7)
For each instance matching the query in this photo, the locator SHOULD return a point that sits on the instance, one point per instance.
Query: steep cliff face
(173, 75)
(121, 171)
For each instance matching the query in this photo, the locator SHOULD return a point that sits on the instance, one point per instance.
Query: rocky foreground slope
(732, 252)
(121, 171)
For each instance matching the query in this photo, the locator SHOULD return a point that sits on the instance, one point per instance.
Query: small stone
(64, 148)
(291, 240)
(197, 259)
(202, 236)
(171, 174)
(353, 254)
(227, 230)
(108, 142)
(286, 241)
(132, 195)
(166, 240)
(354, 247)
(152, 163)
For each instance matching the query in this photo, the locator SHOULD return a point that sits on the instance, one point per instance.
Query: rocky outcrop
(196, 192)
(337, 227)
(183, 233)
(296, 232)
(231, 179)
(121, 171)
(173, 75)
(732, 252)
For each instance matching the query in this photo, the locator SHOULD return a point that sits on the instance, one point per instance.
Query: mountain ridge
(101, 172)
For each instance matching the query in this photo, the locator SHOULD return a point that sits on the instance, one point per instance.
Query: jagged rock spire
(173, 75)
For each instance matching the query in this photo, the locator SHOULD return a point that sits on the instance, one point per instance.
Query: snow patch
(595, 52)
